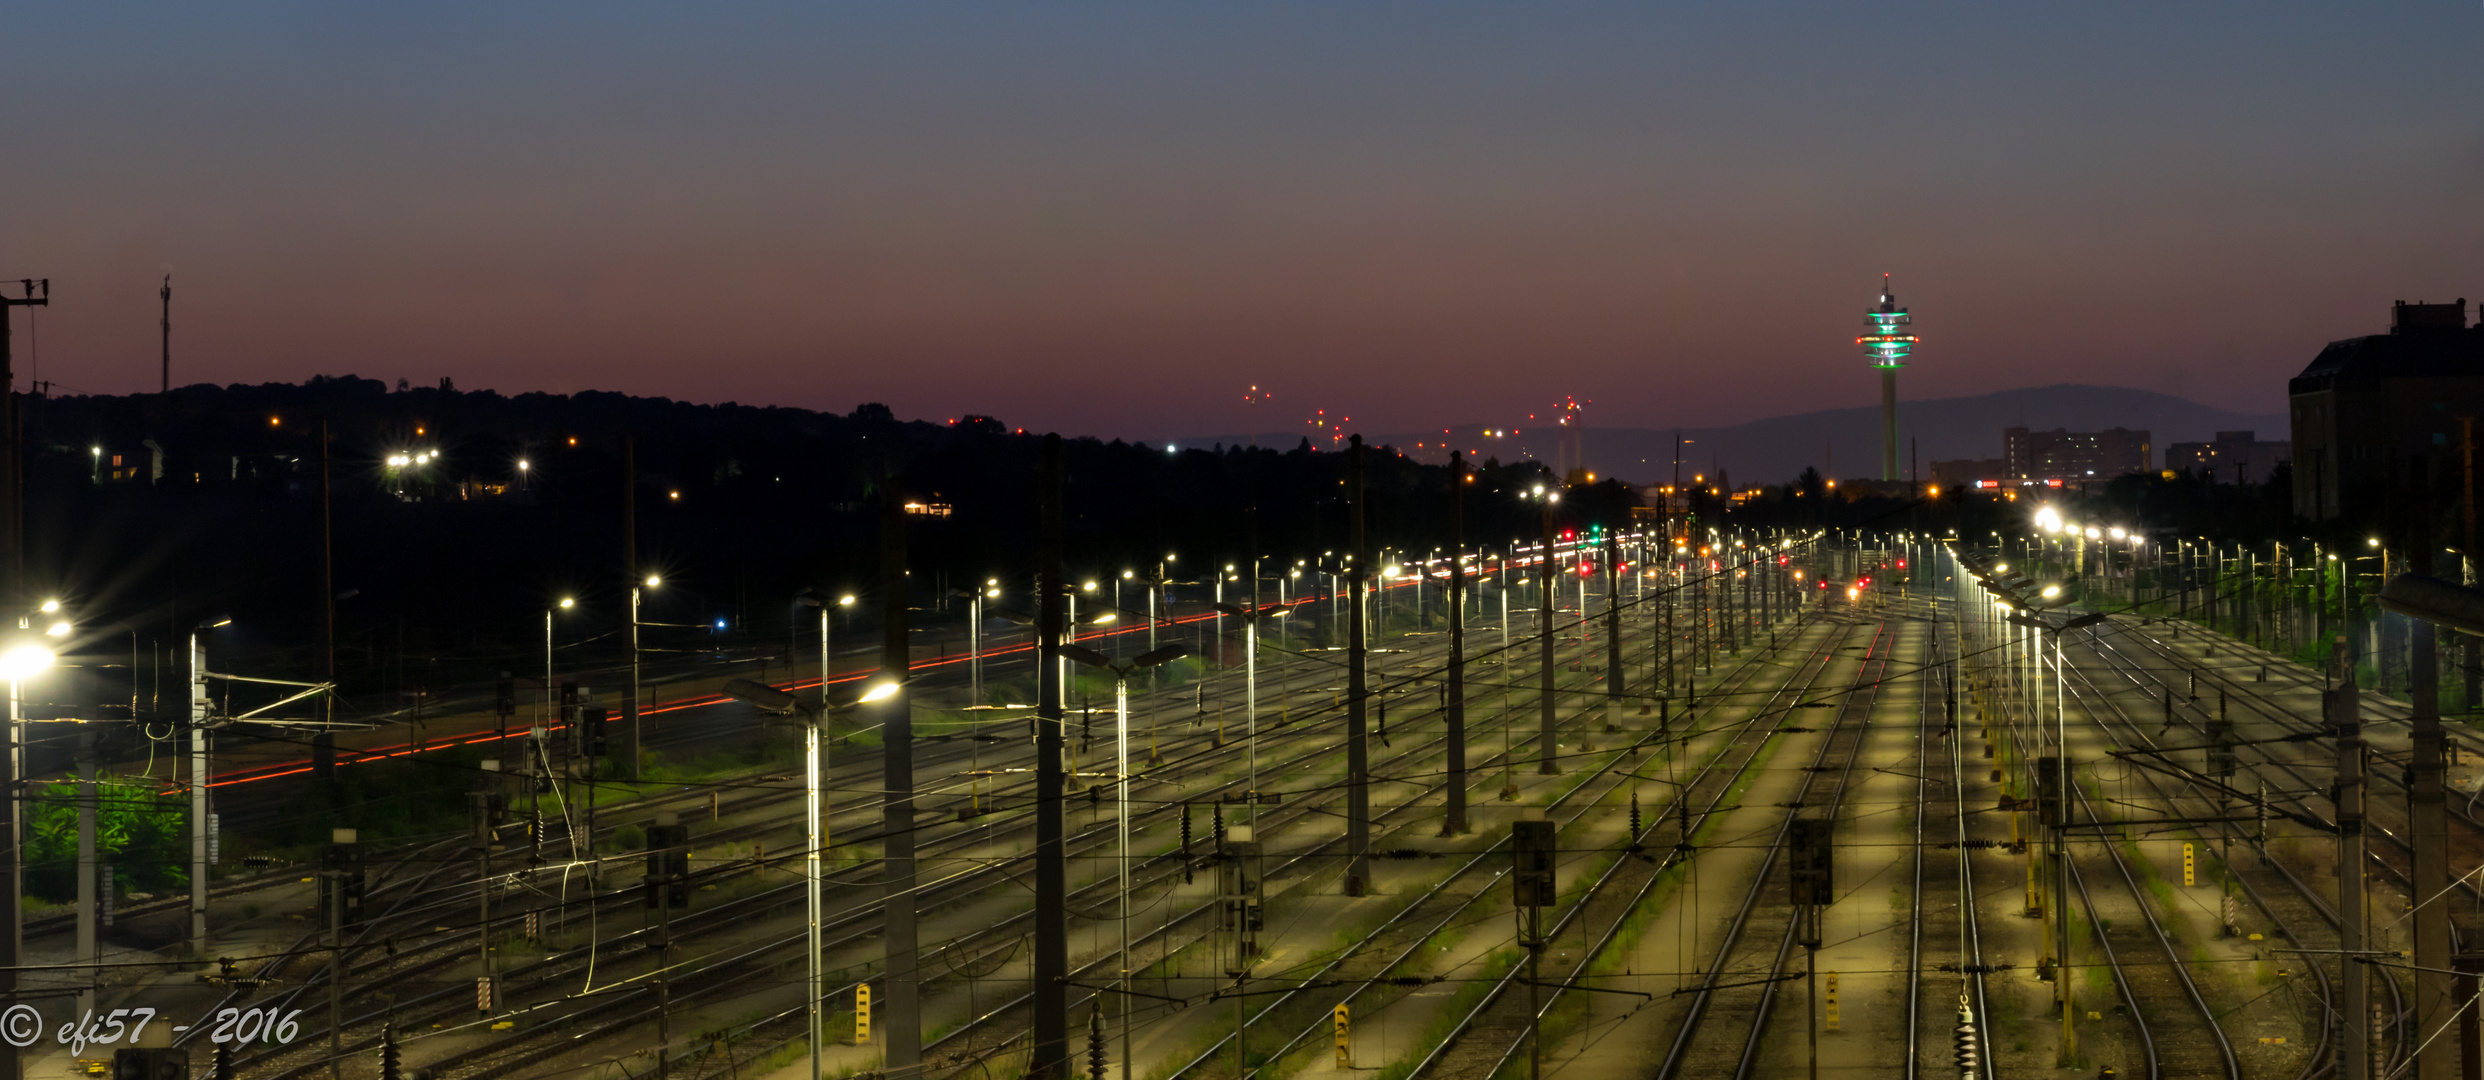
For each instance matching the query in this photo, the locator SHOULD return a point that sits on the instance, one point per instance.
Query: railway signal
(342, 885)
(1531, 880)
(1345, 1037)
(862, 1014)
(1812, 881)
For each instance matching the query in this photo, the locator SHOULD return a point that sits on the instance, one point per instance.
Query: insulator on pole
(1967, 1046)
(1095, 1044)
(391, 1063)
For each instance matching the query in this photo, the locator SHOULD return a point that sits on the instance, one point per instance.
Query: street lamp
(815, 763)
(1250, 687)
(21, 662)
(810, 598)
(1121, 670)
(636, 661)
(534, 738)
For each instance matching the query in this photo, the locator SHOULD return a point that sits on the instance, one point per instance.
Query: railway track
(1367, 967)
(606, 1006)
(1728, 1013)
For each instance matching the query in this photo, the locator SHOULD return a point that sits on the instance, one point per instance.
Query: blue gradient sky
(1110, 218)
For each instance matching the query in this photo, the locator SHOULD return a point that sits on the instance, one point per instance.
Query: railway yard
(1860, 681)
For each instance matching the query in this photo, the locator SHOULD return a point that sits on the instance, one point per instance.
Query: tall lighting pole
(1121, 670)
(1544, 626)
(18, 664)
(1455, 821)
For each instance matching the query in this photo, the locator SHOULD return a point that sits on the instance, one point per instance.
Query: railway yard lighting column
(636, 690)
(534, 739)
(1122, 670)
(1250, 619)
(2056, 803)
(23, 661)
(815, 764)
(1544, 597)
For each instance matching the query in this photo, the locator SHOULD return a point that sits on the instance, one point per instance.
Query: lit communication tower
(1887, 345)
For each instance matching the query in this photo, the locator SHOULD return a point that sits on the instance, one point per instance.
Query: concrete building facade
(2074, 456)
(2386, 416)
(2231, 457)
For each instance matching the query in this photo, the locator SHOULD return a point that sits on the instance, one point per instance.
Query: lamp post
(1250, 618)
(1122, 670)
(2025, 613)
(636, 662)
(815, 830)
(18, 664)
(974, 637)
(535, 737)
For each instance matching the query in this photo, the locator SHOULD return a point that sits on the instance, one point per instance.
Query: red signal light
(1901, 564)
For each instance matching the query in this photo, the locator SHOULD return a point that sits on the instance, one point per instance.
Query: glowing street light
(1121, 670)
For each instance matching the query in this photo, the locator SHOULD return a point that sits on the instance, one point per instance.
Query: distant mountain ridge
(1779, 448)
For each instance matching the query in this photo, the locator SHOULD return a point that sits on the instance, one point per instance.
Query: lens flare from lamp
(24, 660)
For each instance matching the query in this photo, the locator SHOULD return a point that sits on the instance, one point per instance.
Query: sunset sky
(1112, 218)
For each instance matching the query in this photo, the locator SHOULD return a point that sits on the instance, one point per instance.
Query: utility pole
(2470, 648)
(903, 1012)
(327, 614)
(12, 471)
(2428, 820)
(1455, 822)
(1358, 686)
(2345, 713)
(629, 564)
(1544, 627)
(1051, 992)
(166, 293)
